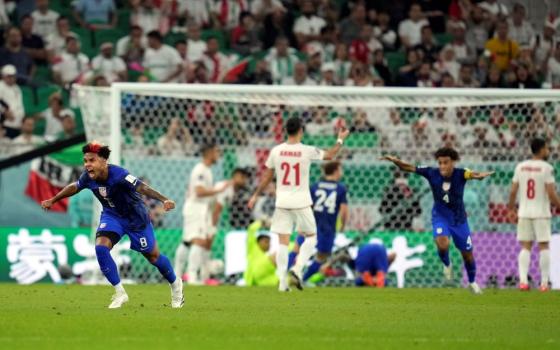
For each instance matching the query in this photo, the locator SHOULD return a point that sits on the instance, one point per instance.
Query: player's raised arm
(266, 178)
(404, 166)
(67, 191)
(332, 152)
(147, 191)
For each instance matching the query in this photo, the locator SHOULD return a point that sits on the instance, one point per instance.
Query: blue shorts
(325, 242)
(460, 233)
(142, 241)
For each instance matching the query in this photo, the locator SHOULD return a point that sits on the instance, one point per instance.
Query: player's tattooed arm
(147, 191)
(479, 175)
(404, 166)
(331, 153)
(67, 191)
(267, 177)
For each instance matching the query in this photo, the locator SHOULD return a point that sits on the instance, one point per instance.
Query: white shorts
(196, 227)
(284, 221)
(530, 230)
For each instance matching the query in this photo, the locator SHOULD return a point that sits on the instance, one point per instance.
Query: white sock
(195, 262)
(523, 261)
(282, 265)
(544, 264)
(305, 252)
(119, 288)
(205, 266)
(181, 258)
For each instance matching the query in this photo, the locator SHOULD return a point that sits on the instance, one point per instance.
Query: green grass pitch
(76, 317)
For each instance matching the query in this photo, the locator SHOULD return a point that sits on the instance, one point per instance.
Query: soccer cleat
(117, 300)
(524, 287)
(544, 289)
(284, 289)
(296, 280)
(474, 288)
(448, 273)
(177, 297)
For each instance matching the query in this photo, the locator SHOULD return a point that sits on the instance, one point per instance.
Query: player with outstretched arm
(123, 213)
(291, 161)
(449, 217)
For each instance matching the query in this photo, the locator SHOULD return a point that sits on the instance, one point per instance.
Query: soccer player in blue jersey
(449, 217)
(123, 213)
(329, 200)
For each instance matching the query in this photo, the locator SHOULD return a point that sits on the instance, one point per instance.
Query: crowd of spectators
(422, 43)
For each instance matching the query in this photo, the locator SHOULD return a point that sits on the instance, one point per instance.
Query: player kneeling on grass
(371, 265)
(449, 217)
(123, 213)
(534, 180)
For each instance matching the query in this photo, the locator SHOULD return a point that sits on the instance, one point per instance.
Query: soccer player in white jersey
(291, 161)
(534, 180)
(198, 230)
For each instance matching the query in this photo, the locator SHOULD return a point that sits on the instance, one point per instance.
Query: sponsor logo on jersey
(103, 191)
(446, 186)
(103, 225)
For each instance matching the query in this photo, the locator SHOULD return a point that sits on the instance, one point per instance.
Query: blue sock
(471, 270)
(107, 264)
(444, 256)
(311, 270)
(164, 266)
(291, 259)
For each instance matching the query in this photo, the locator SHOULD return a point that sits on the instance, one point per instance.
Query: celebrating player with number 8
(291, 162)
(123, 213)
(448, 214)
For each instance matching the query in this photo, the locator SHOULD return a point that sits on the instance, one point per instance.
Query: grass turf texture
(76, 317)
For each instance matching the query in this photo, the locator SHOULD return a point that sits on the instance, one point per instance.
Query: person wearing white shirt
(54, 115)
(111, 67)
(308, 26)
(44, 19)
(26, 141)
(216, 62)
(553, 69)
(72, 65)
(10, 93)
(226, 12)
(300, 76)
(262, 8)
(4, 20)
(281, 61)
(383, 32)
(131, 47)
(56, 41)
(520, 30)
(494, 8)
(163, 61)
(410, 29)
(147, 16)
(197, 12)
(544, 44)
(177, 140)
(197, 46)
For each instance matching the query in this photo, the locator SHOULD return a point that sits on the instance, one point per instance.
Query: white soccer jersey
(532, 176)
(291, 163)
(201, 175)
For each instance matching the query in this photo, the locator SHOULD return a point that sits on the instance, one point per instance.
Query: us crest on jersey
(446, 186)
(103, 191)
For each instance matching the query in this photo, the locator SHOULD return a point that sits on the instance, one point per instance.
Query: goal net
(156, 131)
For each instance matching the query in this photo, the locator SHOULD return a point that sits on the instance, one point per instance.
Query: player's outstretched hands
(46, 205)
(252, 202)
(389, 158)
(481, 175)
(168, 205)
(343, 133)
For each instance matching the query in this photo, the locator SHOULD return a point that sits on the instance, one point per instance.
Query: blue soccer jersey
(449, 217)
(118, 197)
(371, 258)
(327, 197)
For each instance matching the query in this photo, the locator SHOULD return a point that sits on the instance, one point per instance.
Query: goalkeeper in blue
(123, 213)
(329, 204)
(449, 218)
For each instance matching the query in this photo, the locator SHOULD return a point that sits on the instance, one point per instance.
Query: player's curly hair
(447, 152)
(97, 148)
